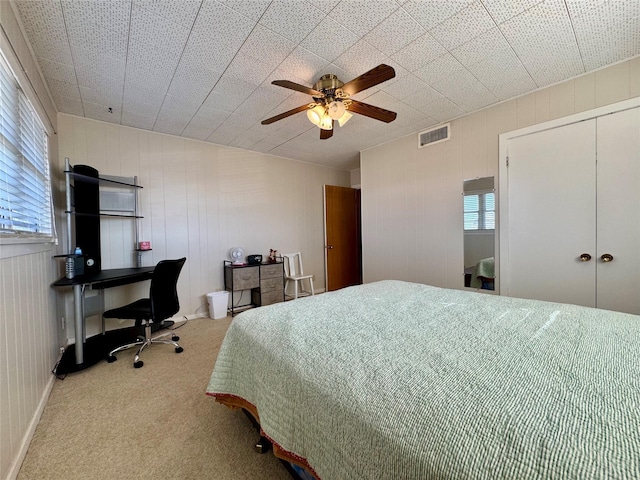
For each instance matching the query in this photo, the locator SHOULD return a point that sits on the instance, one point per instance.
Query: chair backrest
(164, 292)
(292, 264)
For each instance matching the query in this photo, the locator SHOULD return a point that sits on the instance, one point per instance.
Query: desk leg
(78, 304)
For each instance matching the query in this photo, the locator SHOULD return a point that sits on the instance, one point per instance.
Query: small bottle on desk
(78, 267)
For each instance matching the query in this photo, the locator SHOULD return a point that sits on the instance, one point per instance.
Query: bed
(397, 380)
(481, 275)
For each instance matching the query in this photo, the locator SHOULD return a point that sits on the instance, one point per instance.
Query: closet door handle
(585, 257)
(606, 258)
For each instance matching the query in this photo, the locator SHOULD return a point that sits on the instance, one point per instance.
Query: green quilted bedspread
(396, 380)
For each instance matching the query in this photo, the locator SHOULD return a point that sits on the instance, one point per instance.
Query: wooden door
(343, 252)
(619, 211)
(552, 214)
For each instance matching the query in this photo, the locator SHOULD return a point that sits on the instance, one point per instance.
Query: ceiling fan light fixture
(336, 110)
(315, 115)
(344, 118)
(332, 99)
(326, 123)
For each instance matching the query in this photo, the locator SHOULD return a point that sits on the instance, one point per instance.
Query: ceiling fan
(332, 102)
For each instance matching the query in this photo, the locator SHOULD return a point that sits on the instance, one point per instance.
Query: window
(480, 211)
(25, 189)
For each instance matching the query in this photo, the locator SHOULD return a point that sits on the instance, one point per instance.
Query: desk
(97, 281)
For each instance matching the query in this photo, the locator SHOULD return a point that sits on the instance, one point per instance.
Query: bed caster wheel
(111, 358)
(263, 445)
(179, 349)
(138, 364)
(175, 338)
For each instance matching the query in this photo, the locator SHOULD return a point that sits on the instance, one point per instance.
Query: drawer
(274, 270)
(262, 299)
(271, 284)
(242, 278)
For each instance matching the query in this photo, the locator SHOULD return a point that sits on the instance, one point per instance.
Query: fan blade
(372, 111)
(324, 134)
(297, 87)
(376, 75)
(301, 108)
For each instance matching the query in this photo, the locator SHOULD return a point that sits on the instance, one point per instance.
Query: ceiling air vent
(435, 135)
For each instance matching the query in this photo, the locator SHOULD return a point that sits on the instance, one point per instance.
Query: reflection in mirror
(479, 233)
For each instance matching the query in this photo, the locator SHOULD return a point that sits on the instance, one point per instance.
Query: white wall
(412, 198)
(28, 323)
(355, 178)
(198, 200)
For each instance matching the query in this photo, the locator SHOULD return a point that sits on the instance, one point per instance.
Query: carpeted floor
(115, 421)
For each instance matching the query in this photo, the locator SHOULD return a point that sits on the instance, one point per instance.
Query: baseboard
(26, 440)
(317, 291)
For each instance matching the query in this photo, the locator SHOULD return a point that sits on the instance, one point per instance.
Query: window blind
(480, 211)
(25, 188)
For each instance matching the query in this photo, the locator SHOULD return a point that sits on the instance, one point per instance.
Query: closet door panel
(618, 211)
(552, 207)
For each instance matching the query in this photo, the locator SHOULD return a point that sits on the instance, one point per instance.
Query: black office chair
(161, 304)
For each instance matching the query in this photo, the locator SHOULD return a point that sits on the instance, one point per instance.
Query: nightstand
(271, 289)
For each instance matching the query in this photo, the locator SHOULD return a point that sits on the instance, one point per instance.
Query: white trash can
(218, 303)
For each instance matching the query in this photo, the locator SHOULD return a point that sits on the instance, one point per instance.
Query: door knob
(329, 247)
(606, 258)
(585, 257)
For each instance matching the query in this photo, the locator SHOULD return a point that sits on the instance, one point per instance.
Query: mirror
(479, 207)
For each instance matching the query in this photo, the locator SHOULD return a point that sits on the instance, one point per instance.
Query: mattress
(397, 380)
(484, 269)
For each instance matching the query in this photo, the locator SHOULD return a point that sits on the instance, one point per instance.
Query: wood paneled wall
(199, 200)
(412, 198)
(28, 347)
(29, 330)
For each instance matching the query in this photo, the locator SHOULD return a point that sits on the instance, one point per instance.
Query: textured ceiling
(203, 69)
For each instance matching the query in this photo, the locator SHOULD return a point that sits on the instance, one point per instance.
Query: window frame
(482, 211)
(31, 157)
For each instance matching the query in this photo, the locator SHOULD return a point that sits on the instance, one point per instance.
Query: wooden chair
(293, 272)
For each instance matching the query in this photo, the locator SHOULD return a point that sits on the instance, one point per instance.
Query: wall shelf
(103, 214)
(104, 180)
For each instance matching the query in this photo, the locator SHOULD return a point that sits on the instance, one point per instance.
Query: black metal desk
(98, 281)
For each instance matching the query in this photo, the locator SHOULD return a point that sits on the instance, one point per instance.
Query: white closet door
(551, 210)
(618, 281)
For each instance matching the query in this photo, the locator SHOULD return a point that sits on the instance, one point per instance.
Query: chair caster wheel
(179, 349)
(138, 364)
(175, 338)
(111, 358)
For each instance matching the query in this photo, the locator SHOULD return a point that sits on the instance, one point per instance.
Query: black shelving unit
(90, 197)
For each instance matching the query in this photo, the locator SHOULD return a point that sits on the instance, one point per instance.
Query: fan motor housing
(328, 82)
